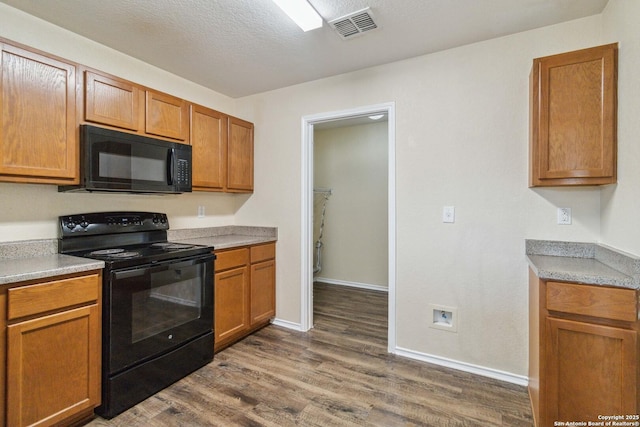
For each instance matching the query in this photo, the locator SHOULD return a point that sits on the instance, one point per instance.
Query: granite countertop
(37, 259)
(587, 263)
(225, 237)
(38, 267)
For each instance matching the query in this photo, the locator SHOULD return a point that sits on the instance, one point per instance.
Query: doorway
(308, 124)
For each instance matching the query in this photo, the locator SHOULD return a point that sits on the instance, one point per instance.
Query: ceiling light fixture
(301, 12)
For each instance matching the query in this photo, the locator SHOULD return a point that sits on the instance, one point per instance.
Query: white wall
(353, 162)
(30, 211)
(621, 202)
(461, 140)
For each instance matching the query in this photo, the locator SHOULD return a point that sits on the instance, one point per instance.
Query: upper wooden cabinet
(240, 156)
(115, 102)
(111, 101)
(209, 145)
(38, 137)
(222, 151)
(573, 118)
(166, 116)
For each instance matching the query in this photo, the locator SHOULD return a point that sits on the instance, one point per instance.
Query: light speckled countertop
(225, 237)
(43, 266)
(587, 263)
(37, 259)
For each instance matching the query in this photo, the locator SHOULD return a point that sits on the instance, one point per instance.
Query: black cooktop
(122, 239)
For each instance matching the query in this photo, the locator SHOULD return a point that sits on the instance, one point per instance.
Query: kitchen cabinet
(222, 151)
(244, 297)
(113, 102)
(118, 103)
(263, 283)
(166, 116)
(53, 350)
(38, 132)
(573, 109)
(240, 156)
(583, 353)
(231, 296)
(209, 145)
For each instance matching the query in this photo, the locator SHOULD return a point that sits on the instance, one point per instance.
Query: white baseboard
(287, 324)
(351, 284)
(437, 360)
(463, 366)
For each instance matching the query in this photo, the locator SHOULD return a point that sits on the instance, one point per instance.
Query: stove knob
(163, 219)
(84, 224)
(155, 219)
(71, 225)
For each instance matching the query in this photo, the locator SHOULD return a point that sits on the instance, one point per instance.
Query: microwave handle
(171, 160)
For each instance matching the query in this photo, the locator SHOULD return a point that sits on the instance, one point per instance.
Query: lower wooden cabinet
(244, 296)
(583, 359)
(53, 348)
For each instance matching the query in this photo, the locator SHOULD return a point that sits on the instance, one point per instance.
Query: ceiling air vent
(354, 24)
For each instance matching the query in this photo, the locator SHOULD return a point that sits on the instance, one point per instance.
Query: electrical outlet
(564, 216)
(200, 211)
(449, 214)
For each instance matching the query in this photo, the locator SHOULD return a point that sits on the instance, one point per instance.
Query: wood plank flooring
(337, 374)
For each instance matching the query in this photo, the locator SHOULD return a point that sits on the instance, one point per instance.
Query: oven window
(174, 299)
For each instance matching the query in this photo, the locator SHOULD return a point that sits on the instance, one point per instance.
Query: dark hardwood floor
(337, 374)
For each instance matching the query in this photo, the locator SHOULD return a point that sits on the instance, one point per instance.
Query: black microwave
(116, 161)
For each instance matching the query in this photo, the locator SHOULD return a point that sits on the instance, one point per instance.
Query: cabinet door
(112, 101)
(166, 116)
(231, 303)
(38, 141)
(263, 291)
(209, 143)
(573, 118)
(591, 371)
(55, 366)
(240, 156)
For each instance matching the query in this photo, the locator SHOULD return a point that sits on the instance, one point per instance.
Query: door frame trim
(306, 240)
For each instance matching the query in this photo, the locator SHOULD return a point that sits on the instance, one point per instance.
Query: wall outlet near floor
(200, 211)
(564, 216)
(443, 317)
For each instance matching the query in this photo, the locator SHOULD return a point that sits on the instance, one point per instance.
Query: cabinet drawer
(262, 252)
(596, 301)
(54, 295)
(230, 259)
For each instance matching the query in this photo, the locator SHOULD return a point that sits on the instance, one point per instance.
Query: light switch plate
(449, 214)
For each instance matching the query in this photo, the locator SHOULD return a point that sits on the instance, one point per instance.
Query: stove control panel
(112, 222)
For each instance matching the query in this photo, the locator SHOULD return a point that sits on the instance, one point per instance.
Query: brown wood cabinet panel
(231, 258)
(209, 142)
(231, 304)
(3, 354)
(263, 291)
(573, 118)
(263, 252)
(166, 116)
(113, 102)
(38, 136)
(591, 371)
(54, 295)
(596, 301)
(240, 156)
(583, 351)
(55, 366)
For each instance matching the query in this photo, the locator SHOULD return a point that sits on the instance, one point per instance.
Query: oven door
(155, 308)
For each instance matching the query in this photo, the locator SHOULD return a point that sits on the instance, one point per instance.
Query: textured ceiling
(243, 47)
